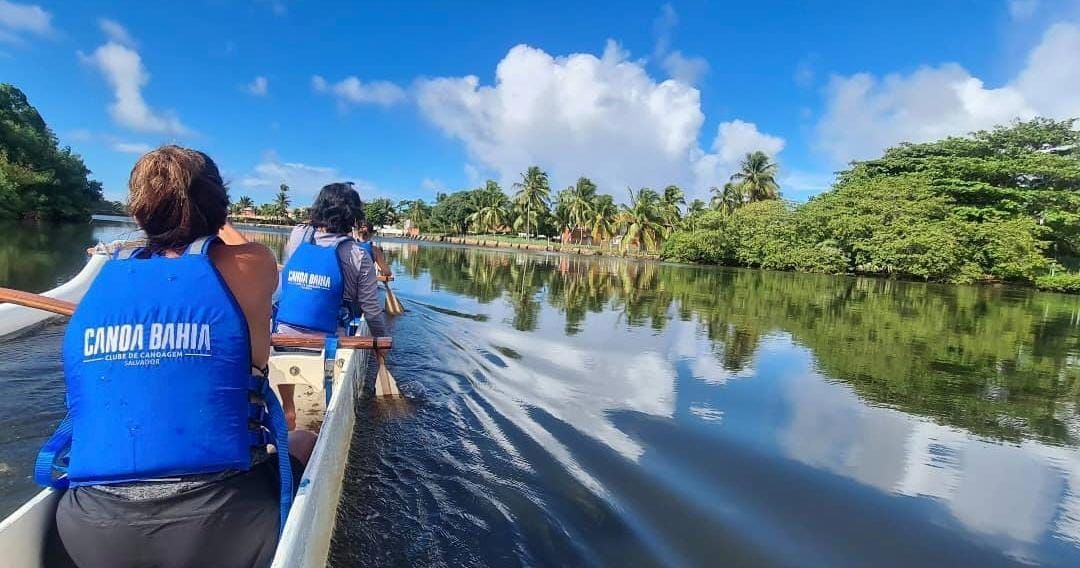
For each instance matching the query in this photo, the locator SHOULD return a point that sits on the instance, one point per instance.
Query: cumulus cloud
(865, 114)
(259, 86)
(131, 147)
(737, 138)
(123, 70)
(304, 180)
(116, 32)
(353, 91)
(602, 117)
(20, 20)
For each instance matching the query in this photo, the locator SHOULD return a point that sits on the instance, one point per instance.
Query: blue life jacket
(369, 248)
(312, 285)
(157, 364)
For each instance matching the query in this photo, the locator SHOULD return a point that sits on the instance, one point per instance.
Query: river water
(577, 411)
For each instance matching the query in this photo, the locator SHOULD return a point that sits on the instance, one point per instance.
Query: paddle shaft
(314, 341)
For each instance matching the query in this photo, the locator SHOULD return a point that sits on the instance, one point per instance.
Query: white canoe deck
(305, 542)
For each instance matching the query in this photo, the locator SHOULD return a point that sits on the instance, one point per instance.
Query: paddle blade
(393, 306)
(385, 385)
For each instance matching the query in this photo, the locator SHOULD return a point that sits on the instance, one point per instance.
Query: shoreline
(493, 243)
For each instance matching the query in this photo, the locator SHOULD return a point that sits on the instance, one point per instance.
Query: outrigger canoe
(305, 541)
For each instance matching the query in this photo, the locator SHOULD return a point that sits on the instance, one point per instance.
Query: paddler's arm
(380, 261)
(366, 300)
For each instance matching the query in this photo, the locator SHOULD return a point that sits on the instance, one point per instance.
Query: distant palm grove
(997, 205)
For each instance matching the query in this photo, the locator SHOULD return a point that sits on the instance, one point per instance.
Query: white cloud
(602, 117)
(304, 180)
(736, 139)
(864, 114)
(17, 20)
(131, 147)
(123, 70)
(353, 91)
(259, 86)
(116, 32)
(1023, 9)
(688, 69)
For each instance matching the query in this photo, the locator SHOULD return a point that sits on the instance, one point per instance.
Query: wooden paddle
(393, 306)
(308, 340)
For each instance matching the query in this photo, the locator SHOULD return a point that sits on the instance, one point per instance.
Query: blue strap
(45, 464)
(126, 253)
(280, 431)
(201, 245)
(329, 356)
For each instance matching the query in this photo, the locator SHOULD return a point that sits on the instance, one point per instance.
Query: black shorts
(228, 523)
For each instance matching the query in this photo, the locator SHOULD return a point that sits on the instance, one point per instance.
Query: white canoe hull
(305, 542)
(17, 319)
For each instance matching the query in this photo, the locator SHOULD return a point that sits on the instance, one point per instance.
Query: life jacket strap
(329, 359)
(201, 245)
(279, 429)
(46, 465)
(126, 253)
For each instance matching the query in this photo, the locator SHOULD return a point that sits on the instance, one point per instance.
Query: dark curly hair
(337, 209)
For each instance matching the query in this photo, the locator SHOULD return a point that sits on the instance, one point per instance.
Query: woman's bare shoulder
(253, 259)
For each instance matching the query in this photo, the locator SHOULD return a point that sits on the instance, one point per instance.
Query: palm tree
(534, 193)
(579, 204)
(728, 199)
(245, 201)
(757, 177)
(418, 212)
(491, 212)
(601, 221)
(693, 212)
(281, 202)
(641, 220)
(671, 204)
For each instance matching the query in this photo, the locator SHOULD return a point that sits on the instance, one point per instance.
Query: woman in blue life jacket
(170, 414)
(365, 231)
(328, 276)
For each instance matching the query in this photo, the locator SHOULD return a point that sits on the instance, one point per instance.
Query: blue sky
(412, 98)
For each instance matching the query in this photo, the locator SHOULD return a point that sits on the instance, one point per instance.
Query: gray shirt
(358, 270)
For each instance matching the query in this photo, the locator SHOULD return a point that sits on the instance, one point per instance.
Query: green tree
(578, 203)
(380, 212)
(451, 213)
(493, 208)
(601, 221)
(245, 201)
(694, 211)
(641, 220)
(38, 179)
(727, 199)
(418, 212)
(281, 201)
(671, 204)
(533, 196)
(756, 177)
